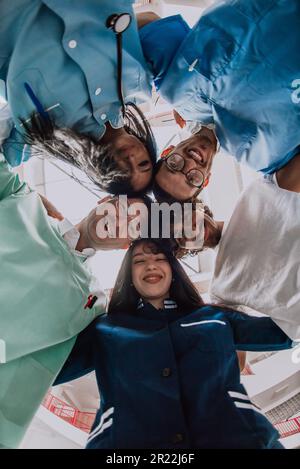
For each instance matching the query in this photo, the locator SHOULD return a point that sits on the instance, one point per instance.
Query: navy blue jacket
(170, 379)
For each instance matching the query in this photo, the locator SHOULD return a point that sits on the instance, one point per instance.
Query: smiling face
(133, 158)
(151, 273)
(198, 152)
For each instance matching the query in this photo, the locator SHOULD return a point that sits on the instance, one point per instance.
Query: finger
(105, 199)
(55, 214)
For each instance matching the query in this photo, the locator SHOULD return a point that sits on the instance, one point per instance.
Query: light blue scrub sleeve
(9, 182)
(160, 41)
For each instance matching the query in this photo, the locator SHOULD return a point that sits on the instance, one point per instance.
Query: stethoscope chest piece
(118, 23)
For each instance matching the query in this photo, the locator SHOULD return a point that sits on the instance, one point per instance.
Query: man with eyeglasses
(184, 170)
(237, 69)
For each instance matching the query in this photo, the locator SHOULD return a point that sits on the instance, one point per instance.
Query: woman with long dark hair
(69, 94)
(166, 363)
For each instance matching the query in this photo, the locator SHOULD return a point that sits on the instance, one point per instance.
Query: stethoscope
(119, 23)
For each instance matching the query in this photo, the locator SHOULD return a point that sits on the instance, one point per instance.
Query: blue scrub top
(160, 41)
(65, 52)
(238, 68)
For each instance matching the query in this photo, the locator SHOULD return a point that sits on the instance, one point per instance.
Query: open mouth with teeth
(196, 154)
(152, 278)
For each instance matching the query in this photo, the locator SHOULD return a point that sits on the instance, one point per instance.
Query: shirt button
(72, 44)
(166, 372)
(103, 116)
(98, 91)
(178, 438)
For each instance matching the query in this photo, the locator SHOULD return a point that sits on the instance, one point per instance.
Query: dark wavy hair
(180, 252)
(125, 297)
(162, 196)
(84, 152)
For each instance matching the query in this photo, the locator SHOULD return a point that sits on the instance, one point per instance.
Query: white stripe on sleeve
(104, 416)
(203, 322)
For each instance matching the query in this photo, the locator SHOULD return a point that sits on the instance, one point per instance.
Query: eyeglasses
(176, 162)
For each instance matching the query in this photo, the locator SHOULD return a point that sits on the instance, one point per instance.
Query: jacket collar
(168, 304)
(170, 312)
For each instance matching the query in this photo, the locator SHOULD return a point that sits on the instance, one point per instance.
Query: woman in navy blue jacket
(166, 364)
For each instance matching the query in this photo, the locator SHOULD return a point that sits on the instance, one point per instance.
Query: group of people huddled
(167, 364)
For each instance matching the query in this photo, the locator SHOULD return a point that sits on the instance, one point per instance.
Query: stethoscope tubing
(120, 71)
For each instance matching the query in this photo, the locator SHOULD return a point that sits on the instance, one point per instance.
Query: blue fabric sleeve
(160, 41)
(81, 359)
(275, 167)
(257, 333)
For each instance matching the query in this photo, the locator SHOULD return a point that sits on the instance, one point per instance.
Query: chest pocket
(208, 335)
(50, 101)
(209, 50)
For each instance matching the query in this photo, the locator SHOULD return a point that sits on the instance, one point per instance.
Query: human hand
(51, 209)
(108, 226)
(178, 119)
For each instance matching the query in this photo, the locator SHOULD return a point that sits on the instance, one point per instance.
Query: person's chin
(154, 291)
(186, 194)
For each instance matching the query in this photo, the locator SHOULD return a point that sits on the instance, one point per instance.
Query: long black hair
(125, 297)
(84, 152)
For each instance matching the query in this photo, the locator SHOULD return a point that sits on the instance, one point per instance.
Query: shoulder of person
(207, 311)
(146, 17)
